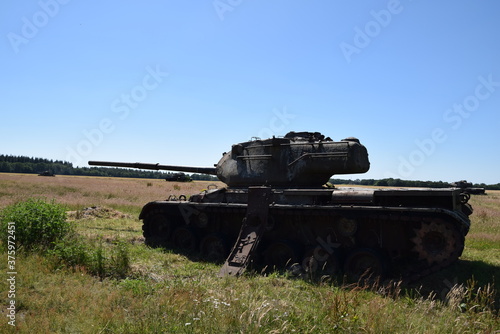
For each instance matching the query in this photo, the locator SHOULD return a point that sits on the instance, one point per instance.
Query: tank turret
(299, 159)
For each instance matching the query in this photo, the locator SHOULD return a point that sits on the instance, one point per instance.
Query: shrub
(71, 251)
(38, 223)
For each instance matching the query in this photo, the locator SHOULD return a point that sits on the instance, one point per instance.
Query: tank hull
(399, 233)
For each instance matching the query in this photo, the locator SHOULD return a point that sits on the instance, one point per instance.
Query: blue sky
(178, 82)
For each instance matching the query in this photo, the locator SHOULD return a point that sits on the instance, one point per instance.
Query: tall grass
(65, 300)
(103, 279)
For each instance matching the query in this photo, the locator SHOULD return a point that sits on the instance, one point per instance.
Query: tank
(277, 211)
(178, 177)
(46, 173)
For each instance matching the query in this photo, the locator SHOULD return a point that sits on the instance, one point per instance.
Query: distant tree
(367, 182)
(381, 183)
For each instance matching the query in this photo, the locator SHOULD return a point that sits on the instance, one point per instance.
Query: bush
(38, 223)
(71, 251)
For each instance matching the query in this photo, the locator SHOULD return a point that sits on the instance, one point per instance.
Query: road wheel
(185, 237)
(318, 260)
(281, 253)
(365, 264)
(214, 247)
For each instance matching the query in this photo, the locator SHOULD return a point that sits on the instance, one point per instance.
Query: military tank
(277, 212)
(46, 173)
(178, 177)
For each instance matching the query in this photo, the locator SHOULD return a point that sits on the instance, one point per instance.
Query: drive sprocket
(437, 241)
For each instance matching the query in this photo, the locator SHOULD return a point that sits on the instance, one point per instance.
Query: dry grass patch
(77, 192)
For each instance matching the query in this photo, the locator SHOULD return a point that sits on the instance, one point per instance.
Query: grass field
(160, 291)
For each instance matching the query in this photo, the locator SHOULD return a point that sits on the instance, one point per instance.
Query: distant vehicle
(46, 173)
(467, 188)
(277, 212)
(178, 177)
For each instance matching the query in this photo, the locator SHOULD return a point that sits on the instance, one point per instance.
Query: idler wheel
(185, 237)
(157, 228)
(365, 264)
(214, 247)
(281, 253)
(437, 241)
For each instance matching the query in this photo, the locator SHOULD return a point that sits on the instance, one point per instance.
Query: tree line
(29, 165)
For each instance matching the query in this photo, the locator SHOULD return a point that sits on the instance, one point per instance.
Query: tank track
(401, 243)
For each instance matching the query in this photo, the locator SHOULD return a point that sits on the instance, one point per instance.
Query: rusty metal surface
(302, 159)
(251, 232)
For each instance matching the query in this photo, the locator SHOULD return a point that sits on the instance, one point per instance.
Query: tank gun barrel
(138, 165)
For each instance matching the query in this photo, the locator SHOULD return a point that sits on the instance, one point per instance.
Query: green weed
(38, 223)
(92, 256)
(70, 252)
